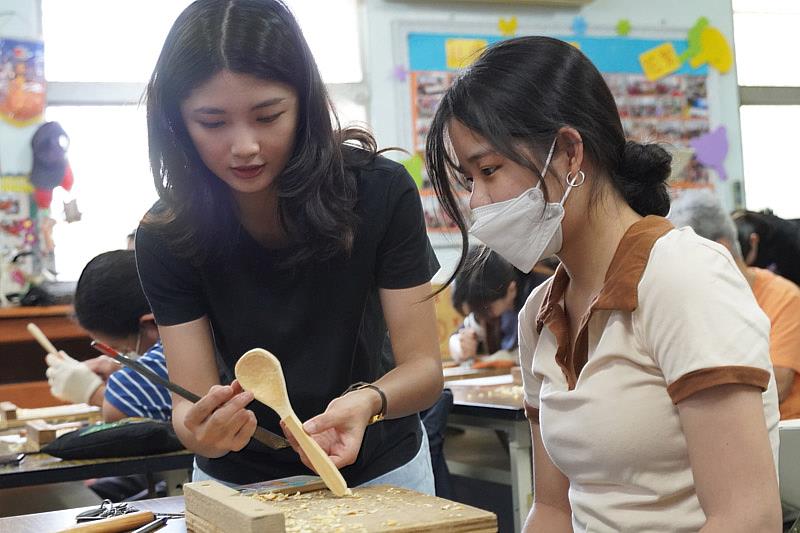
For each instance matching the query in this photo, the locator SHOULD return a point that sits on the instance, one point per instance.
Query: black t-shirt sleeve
(405, 256)
(172, 286)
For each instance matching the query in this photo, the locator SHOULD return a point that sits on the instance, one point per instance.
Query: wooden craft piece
(260, 372)
(41, 432)
(213, 508)
(59, 413)
(8, 411)
(39, 335)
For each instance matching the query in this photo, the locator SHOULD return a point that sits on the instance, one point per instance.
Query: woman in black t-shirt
(274, 230)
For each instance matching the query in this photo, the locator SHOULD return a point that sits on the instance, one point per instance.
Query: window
(113, 183)
(119, 41)
(98, 58)
(766, 36)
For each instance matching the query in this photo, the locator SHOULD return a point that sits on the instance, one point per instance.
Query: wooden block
(212, 508)
(58, 413)
(516, 375)
(226, 509)
(41, 432)
(8, 412)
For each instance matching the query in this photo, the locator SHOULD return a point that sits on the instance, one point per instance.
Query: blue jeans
(416, 474)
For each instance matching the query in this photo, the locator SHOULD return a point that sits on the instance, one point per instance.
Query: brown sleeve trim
(531, 413)
(706, 378)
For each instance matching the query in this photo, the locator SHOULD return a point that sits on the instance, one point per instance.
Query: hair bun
(645, 163)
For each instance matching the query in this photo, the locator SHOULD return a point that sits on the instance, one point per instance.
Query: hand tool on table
(113, 524)
(276, 442)
(260, 372)
(111, 517)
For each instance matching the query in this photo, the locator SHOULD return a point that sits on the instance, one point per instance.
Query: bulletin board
(22, 103)
(661, 96)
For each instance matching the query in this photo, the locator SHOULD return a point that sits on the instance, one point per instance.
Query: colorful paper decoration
(714, 50)
(414, 166)
(711, 150)
(579, 26)
(694, 39)
(400, 73)
(22, 99)
(623, 27)
(16, 183)
(461, 53)
(659, 61)
(508, 28)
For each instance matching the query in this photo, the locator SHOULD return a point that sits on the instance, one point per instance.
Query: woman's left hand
(340, 429)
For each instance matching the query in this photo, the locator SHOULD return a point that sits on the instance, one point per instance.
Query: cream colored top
(674, 317)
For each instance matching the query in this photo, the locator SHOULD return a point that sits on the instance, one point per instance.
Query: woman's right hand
(219, 421)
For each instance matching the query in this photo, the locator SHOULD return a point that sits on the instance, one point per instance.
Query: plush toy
(50, 166)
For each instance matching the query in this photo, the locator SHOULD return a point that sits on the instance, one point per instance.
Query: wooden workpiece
(213, 508)
(41, 432)
(12, 416)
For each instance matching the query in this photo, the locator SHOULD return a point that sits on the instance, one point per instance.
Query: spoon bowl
(260, 372)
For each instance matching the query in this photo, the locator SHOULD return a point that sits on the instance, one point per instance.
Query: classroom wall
(19, 19)
(387, 21)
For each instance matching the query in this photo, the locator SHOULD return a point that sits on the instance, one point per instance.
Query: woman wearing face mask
(645, 358)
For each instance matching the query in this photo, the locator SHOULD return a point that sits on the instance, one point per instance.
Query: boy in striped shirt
(111, 307)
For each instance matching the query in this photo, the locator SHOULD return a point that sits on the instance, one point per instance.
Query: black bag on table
(128, 437)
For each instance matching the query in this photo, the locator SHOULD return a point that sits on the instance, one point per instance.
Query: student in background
(627, 351)
(111, 307)
(777, 296)
(489, 293)
(768, 241)
(278, 229)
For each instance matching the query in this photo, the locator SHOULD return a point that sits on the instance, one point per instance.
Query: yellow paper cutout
(576, 44)
(508, 28)
(461, 53)
(659, 61)
(714, 50)
(16, 183)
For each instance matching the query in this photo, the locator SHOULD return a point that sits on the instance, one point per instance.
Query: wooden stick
(37, 333)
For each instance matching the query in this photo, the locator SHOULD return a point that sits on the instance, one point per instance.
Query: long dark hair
(316, 189)
(520, 92)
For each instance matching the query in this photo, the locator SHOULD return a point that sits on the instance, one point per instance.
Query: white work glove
(70, 380)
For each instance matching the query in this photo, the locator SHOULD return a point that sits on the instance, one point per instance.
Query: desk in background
(22, 366)
(494, 403)
(40, 468)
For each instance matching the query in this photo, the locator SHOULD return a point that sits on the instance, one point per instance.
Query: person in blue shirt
(111, 307)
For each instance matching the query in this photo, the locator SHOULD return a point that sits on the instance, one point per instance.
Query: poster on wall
(672, 109)
(22, 83)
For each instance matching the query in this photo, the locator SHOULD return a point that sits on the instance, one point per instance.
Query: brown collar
(620, 291)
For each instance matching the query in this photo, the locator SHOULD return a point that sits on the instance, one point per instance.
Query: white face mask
(135, 353)
(526, 229)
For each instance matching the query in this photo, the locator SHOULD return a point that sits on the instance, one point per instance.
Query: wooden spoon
(260, 372)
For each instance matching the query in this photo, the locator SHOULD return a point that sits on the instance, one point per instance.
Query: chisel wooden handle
(39, 335)
(115, 524)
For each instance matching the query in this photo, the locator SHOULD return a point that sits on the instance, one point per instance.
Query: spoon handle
(319, 459)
